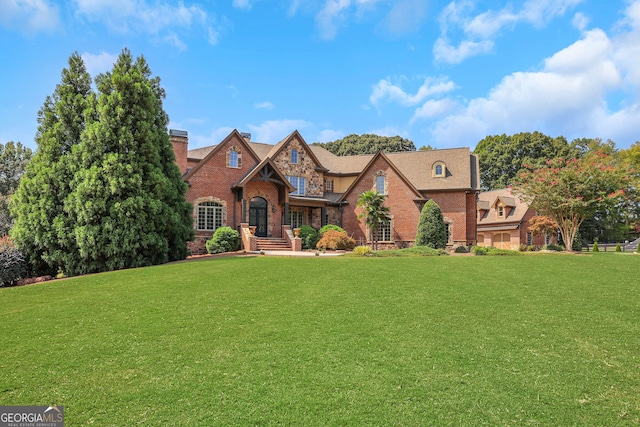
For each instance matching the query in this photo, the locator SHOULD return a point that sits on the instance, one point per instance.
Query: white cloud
(214, 138)
(331, 16)
(434, 108)
(99, 63)
(384, 89)
(242, 4)
(477, 33)
(29, 16)
(443, 51)
(329, 135)
(139, 16)
(389, 131)
(273, 131)
(567, 97)
(580, 21)
(264, 105)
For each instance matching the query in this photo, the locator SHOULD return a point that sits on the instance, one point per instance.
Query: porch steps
(272, 244)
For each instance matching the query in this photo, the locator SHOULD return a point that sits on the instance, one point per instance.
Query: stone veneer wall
(305, 167)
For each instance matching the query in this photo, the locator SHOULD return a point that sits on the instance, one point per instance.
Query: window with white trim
(209, 216)
(298, 182)
(294, 156)
(529, 238)
(233, 159)
(296, 218)
(328, 185)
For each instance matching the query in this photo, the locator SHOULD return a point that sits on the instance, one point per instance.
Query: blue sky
(444, 73)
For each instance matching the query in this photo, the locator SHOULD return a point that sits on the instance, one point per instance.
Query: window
(500, 211)
(328, 185)
(296, 219)
(448, 231)
(299, 183)
(439, 170)
(384, 231)
(380, 181)
(233, 159)
(529, 239)
(209, 216)
(294, 156)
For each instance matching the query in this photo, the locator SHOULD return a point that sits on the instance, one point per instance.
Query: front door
(258, 215)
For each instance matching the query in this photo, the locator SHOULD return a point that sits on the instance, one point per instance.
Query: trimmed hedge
(225, 239)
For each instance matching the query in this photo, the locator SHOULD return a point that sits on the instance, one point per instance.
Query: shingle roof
(515, 214)
(461, 165)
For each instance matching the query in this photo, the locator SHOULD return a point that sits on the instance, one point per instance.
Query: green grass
(541, 340)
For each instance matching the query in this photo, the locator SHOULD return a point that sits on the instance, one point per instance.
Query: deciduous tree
(569, 191)
(367, 144)
(501, 157)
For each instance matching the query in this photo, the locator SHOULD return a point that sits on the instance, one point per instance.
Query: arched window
(294, 156)
(209, 216)
(439, 170)
(380, 184)
(233, 159)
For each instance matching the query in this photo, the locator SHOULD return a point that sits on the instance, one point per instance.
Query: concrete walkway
(292, 253)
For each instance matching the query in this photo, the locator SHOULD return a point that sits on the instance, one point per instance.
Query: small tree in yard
(374, 213)
(542, 225)
(569, 191)
(432, 231)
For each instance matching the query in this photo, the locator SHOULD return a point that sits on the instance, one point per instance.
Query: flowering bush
(336, 240)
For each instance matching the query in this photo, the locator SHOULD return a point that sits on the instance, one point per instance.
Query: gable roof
(375, 157)
(462, 172)
(490, 199)
(295, 135)
(256, 170)
(215, 148)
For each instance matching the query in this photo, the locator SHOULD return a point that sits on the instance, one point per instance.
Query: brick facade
(260, 172)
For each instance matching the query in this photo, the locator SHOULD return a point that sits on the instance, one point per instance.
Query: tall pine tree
(42, 228)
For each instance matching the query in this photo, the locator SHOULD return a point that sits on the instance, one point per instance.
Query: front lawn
(540, 340)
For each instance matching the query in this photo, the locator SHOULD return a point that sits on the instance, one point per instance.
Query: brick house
(277, 188)
(503, 221)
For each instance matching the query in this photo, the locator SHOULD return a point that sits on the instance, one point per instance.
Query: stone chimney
(180, 141)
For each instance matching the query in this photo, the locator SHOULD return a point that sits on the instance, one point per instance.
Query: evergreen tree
(128, 201)
(432, 231)
(103, 191)
(42, 229)
(13, 160)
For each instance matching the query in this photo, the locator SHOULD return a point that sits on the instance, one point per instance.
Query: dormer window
(294, 156)
(439, 170)
(500, 211)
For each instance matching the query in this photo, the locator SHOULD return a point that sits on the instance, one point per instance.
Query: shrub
(491, 251)
(479, 250)
(595, 247)
(522, 248)
(225, 239)
(431, 229)
(336, 240)
(552, 247)
(362, 250)
(618, 248)
(331, 227)
(531, 248)
(461, 250)
(13, 265)
(309, 236)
